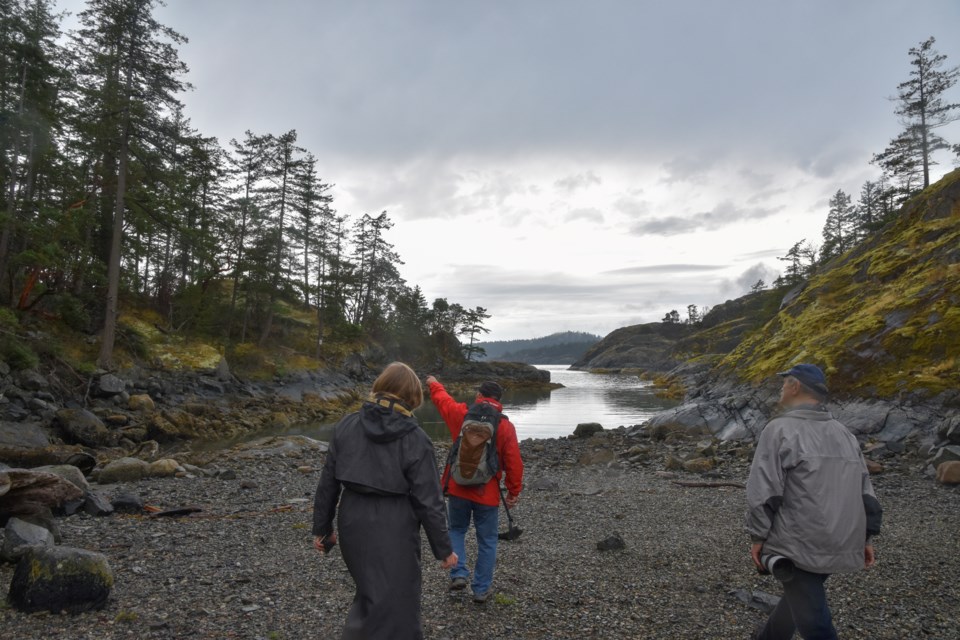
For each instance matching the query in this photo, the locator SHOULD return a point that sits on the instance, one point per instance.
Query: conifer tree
(922, 110)
(838, 231)
(129, 77)
(472, 326)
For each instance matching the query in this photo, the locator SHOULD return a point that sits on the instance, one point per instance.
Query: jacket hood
(381, 424)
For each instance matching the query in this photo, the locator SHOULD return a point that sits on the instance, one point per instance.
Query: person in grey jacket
(382, 470)
(809, 500)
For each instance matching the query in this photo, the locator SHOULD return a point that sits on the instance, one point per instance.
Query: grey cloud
(721, 215)
(745, 281)
(666, 268)
(631, 206)
(577, 182)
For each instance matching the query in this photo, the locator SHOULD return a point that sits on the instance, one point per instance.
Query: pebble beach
(242, 564)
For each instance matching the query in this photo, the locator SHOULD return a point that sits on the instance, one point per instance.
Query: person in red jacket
(481, 503)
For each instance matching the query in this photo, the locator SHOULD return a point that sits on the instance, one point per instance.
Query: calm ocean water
(610, 399)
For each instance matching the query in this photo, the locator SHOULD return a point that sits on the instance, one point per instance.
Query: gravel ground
(244, 566)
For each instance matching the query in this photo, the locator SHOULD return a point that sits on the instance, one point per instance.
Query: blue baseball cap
(809, 375)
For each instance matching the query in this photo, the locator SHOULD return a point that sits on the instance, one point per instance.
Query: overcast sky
(571, 165)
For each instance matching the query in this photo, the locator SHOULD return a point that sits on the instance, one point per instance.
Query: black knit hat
(491, 389)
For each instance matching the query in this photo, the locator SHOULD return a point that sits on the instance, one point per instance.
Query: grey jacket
(809, 496)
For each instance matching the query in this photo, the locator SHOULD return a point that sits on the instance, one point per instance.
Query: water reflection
(610, 399)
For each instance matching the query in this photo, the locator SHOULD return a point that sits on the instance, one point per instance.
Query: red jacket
(508, 451)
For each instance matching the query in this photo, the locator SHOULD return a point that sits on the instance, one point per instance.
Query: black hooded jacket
(383, 452)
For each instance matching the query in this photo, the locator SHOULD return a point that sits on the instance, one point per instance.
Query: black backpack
(473, 457)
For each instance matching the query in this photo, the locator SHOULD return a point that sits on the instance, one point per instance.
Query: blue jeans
(485, 521)
(802, 608)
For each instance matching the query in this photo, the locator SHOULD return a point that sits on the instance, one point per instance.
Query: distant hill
(558, 348)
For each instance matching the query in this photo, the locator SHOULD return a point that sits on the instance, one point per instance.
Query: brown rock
(874, 467)
(141, 402)
(949, 472)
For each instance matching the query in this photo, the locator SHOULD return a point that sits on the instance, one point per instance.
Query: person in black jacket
(381, 468)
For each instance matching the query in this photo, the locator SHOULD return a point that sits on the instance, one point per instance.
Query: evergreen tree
(31, 113)
(922, 109)
(129, 77)
(838, 231)
(794, 272)
(284, 162)
(471, 326)
(869, 212)
(376, 263)
(672, 317)
(245, 170)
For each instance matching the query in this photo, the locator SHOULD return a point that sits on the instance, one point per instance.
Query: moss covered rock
(59, 579)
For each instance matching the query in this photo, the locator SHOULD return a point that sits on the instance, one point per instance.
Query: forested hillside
(558, 348)
(113, 202)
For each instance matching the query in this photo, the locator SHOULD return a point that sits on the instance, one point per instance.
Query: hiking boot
(458, 584)
(480, 598)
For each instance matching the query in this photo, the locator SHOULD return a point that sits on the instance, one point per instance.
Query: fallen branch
(688, 483)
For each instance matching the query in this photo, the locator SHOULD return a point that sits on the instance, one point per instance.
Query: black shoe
(480, 598)
(458, 584)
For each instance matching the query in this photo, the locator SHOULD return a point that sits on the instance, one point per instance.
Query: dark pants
(802, 608)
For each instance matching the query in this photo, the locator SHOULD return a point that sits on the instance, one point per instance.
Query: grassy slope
(883, 319)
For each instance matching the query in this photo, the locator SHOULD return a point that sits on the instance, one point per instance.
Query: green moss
(883, 319)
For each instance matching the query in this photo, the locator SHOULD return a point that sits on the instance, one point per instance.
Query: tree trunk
(105, 358)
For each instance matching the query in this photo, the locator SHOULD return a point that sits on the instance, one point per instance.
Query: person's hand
(449, 562)
(330, 539)
(869, 556)
(512, 500)
(755, 554)
(431, 380)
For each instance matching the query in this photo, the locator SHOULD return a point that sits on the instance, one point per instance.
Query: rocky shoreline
(236, 561)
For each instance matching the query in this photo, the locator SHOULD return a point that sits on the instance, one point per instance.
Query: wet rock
(59, 579)
(79, 426)
(587, 429)
(19, 535)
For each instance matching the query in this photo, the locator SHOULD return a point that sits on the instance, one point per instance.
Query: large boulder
(19, 535)
(82, 427)
(22, 489)
(26, 435)
(59, 579)
(123, 470)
